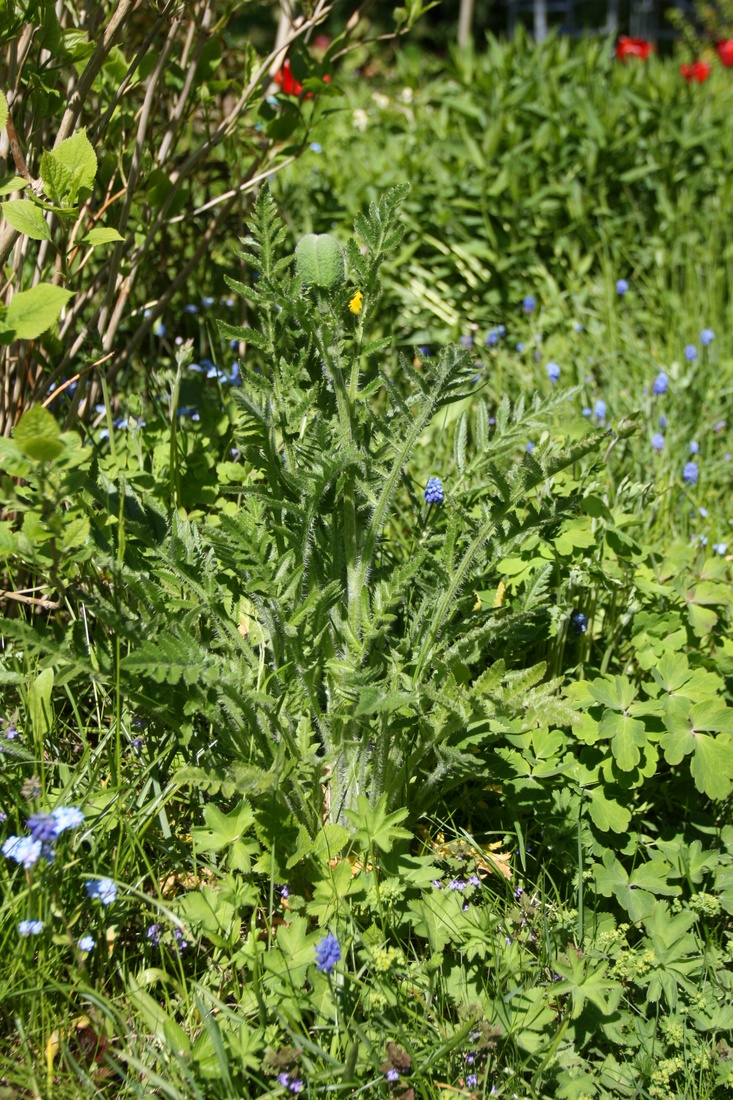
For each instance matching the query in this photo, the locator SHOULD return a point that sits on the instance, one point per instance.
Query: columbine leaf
(627, 736)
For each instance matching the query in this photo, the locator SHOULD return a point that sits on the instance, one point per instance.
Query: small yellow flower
(356, 302)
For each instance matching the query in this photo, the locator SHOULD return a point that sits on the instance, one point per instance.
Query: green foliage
(484, 744)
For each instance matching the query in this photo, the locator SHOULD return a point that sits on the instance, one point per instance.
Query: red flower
(284, 77)
(725, 52)
(287, 81)
(698, 71)
(633, 47)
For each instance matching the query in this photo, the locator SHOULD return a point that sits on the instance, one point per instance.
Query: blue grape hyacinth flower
(600, 410)
(434, 491)
(492, 338)
(690, 473)
(694, 447)
(690, 353)
(328, 953)
(706, 337)
(661, 384)
(657, 441)
(553, 372)
(587, 412)
(621, 287)
(529, 303)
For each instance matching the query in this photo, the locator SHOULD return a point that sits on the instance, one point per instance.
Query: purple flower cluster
(328, 953)
(434, 491)
(293, 1084)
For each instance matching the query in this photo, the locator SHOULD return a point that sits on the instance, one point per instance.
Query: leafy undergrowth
(367, 713)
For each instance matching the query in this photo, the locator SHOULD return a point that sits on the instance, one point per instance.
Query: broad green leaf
(102, 235)
(77, 155)
(375, 826)
(226, 831)
(27, 218)
(672, 671)
(627, 736)
(293, 953)
(612, 880)
(575, 534)
(437, 917)
(333, 891)
(209, 912)
(584, 981)
(12, 183)
(689, 727)
(33, 311)
(702, 619)
(712, 765)
(38, 435)
(654, 877)
(616, 693)
(524, 1016)
(58, 180)
(329, 841)
(39, 703)
(607, 814)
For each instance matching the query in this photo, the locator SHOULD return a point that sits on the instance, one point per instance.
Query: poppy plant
(725, 52)
(698, 71)
(284, 77)
(633, 47)
(290, 86)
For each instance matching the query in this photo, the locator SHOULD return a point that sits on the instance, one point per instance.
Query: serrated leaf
(330, 840)
(26, 217)
(102, 234)
(37, 435)
(225, 831)
(77, 156)
(376, 826)
(33, 311)
(12, 183)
